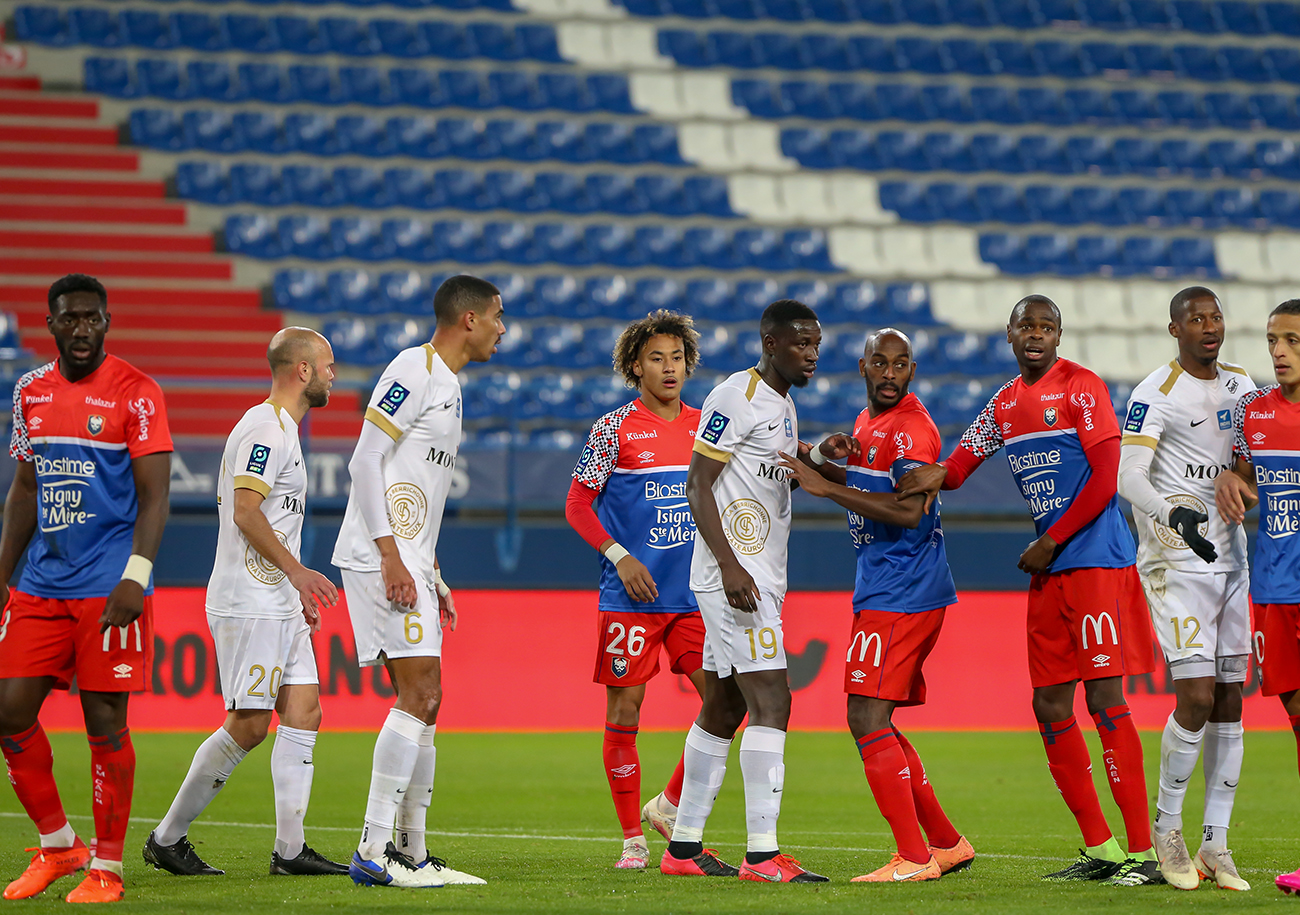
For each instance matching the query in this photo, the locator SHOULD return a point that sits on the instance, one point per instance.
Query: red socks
(1295, 726)
(673, 790)
(939, 830)
(31, 770)
(112, 770)
(623, 769)
(888, 774)
(1121, 750)
(1067, 759)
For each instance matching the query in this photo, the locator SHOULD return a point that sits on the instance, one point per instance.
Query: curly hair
(633, 339)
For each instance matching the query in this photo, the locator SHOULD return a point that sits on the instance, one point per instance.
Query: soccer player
(1087, 617)
(401, 474)
(1266, 448)
(635, 464)
(903, 588)
(1177, 439)
(93, 450)
(262, 606)
(739, 495)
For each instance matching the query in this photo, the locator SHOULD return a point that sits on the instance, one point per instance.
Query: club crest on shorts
(618, 666)
(95, 424)
(1049, 416)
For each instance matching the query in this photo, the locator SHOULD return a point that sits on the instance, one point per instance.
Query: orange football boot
(957, 858)
(99, 886)
(48, 865)
(900, 870)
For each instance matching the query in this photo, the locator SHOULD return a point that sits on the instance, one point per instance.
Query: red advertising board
(522, 661)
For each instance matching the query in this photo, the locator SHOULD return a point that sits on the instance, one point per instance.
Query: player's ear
(1173, 329)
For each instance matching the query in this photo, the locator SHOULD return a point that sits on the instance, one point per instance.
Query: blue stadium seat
(1243, 18)
(317, 84)
(362, 187)
(255, 131)
(1001, 203)
(414, 187)
(310, 185)
(977, 14)
(254, 182)
(310, 133)
(554, 295)
(1091, 154)
(466, 89)
(405, 292)
(1062, 59)
(1004, 249)
(782, 51)
(854, 301)
(807, 99)
(254, 235)
(564, 243)
(300, 35)
(927, 12)
(901, 149)
(924, 55)
(1185, 204)
(353, 291)
(418, 88)
(994, 103)
(687, 47)
(565, 91)
(908, 303)
(1154, 60)
(1097, 205)
(365, 86)
(946, 103)
(214, 131)
(949, 152)
(266, 83)
(760, 97)
(1105, 58)
(1285, 63)
(495, 41)
(564, 191)
(1283, 17)
(1235, 206)
(203, 181)
(735, 49)
(539, 41)
(157, 129)
(1016, 58)
(214, 80)
(616, 193)
(1192, 255)
(399, 38)
(1136, 107)
(752, 296)
(161, 78)
(97, 26)
(709, 298)
(603, 297)
(1198, 16)
(808, 249)
(1044, 105)
(391, 337)
(1247, 64)
(877, 54)
(1183, 109)
(901, 101)
(1151, 14)
(1050, 253)
(412, 239)
(1140, 254)
(512, 190)
(350, 37)
(1019, 14)
(653, 293)
(109, 76)
(1109, 14)
(1090, 106)
(907, 199)
(816, 294)
(881, 12)
(832, 10)
(351, 341)
(459, 188)
(1278, 158)
(1280, 207)
(1062, 13)
(44, 24)
(1234, 158)
(950, 201)
(1136, 155)
(700, 245)
(1184, 157)
(1144, 205)
(299, 290)
(251, 33)
(1049, 203)
(1276, 111)
(148, 29)
(1041, 153)
(1200, 62)
(960, 353)
(828, 52)
(611, 92)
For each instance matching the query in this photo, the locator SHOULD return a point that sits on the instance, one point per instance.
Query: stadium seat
(1243, 18)
(46, 25)
(971, 57)
(1283, 17)
(202, 181)
(308, 236)
(404, 292)
(213, 80)
(97, 26)
(251, 33)
(1049, 203)
(299, 290)
(1001, 203)
(257, 131)
(253, 235)
(351, 341)
(157, 129)
(254, 182)
(214, 131)
(1062, 59)
(266, 83)
(148, 29)
(352, 291)
(109, 76)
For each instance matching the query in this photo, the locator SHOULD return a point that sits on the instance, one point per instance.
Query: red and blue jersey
(82, 436)
(899, 570)
(637, 461)
(1045, 428)
(1267, 434)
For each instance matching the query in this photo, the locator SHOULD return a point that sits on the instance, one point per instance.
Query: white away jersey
(744, 423)
(262, 454)
(1188, 423)
(417, 403)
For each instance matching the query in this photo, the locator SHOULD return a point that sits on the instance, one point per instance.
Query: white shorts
(1202, 620)
(256, 657)
(738, 641)
(384, 629)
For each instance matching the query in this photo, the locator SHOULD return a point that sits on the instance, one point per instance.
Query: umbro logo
(1101, 660)
(646, 456)
(905, 772)
(858, 676)
(122, 671)
(623, 771)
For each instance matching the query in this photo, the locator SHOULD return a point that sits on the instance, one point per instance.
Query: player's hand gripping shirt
(638, 462)
(744, 423)
(417, 402)
(1045, 429)
(82, 436)
(899, 569)
(1268, 436)
(1187, 421)
(263, 454)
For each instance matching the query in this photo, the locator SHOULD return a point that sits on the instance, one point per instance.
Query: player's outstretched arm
(874, 506)
(314, 589)
(926, 481)
(832, 448)
(152, 474)
(1234, 492)
(19, 523)
(742, 592)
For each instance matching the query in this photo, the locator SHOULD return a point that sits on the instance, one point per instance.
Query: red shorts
(48, 637)
(1087, 624)
(627, 653)
(1277, 647)
(886, 651)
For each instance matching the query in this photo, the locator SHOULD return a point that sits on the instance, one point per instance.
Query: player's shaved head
(292, 346)
(876, 339)
(1184, 297)
(459, 294)
(1035, 299)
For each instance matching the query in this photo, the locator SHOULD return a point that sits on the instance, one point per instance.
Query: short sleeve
(400, 395)
(260, 455)
(916, 443)
(600, 455)
(1094, 414)
(147, 431)
(725, 420)
(20, 447)
(1144, 420)
(983, 437)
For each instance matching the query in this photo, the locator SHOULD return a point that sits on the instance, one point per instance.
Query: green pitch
(531, 813)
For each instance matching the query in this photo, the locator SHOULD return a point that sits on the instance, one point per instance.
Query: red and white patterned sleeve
(600, 455)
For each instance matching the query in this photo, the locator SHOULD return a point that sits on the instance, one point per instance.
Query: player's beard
(317, 392)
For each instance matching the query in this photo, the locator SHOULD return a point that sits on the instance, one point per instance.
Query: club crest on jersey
(714, 428)
(395, 397)
(1137, 415)
(257, 460)
(1049, 416)
(95, 424)
(618, 666)
(871, 454)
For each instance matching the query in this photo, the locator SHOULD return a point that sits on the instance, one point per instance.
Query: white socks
(704, 765)
(396, 749)
(60, 838)
(762, 762)
(1224, 748)
(215, 759)
(415, 803)
(291, 774)
(1179, 749)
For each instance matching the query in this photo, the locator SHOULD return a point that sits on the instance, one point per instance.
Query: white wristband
(615, 553)
(138, 569)
(816, 454)
(439, 585)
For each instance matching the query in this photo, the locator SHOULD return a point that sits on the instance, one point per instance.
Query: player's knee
(1049, 708)
(16, 720)
(1195, 706)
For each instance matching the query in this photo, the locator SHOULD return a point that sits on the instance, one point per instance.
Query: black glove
(1187, 521)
